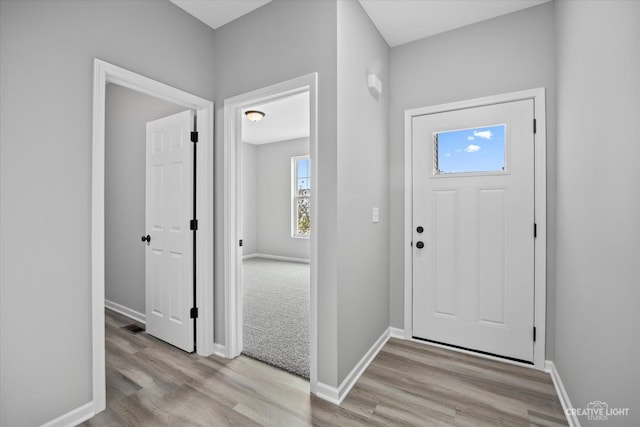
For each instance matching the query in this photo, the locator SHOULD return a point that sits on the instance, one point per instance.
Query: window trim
(295, 197)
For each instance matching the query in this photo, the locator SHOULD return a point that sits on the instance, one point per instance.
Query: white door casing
(473, 282)
(169, 209)
(105, 73)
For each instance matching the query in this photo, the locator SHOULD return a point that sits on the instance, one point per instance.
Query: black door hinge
(193, 312)
(194, 136)
(534, 126)
(535, 230)
(193, 224)
(534, 334)
(240, 242)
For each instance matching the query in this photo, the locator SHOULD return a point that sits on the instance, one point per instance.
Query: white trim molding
(396, 333)
(232, 209)
(567, 407)
(540, 213)
(328, 393)
(336, 395)
(104, 73)
(220, 350)
(73, 417)
(126, 311)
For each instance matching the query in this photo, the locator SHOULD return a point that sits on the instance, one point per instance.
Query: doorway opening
(149, 192)
(270, 244)
(276, 228)
(104, 74)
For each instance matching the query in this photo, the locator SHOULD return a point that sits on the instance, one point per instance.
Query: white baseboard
(396, 333)
(336, 395)
(126, 311)
(276, 257)
(73, 417)
(220, 350)
(328, 393)
(567, 407)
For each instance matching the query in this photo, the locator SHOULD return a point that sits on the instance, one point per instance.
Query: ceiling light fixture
(254, 115)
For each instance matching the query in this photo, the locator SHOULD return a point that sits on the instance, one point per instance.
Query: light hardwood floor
(150, 383)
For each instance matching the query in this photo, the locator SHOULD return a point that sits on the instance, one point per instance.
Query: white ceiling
(403, 21)
(399, 21)
(285, 119)
(216, 13)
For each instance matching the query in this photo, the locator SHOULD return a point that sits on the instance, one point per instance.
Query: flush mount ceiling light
(254, 115)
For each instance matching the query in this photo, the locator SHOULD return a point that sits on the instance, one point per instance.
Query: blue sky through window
(472, 150)
(303, 177)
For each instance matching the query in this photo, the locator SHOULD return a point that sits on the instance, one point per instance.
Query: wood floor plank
(267, 414)
(118, 385)
(151, 383)
(189, 407)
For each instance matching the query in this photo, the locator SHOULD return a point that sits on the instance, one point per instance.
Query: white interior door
(169, 209)
(473, 228)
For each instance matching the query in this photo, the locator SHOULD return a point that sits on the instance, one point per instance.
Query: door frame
(232, 222)
(103, 74)
(540, 212)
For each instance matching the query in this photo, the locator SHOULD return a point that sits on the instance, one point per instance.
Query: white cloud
(472, 148)
(470, 138)
(447, 154)
(458, 150)
(486, 134)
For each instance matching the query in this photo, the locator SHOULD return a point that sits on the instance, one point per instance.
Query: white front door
(169, 209)
(473, 228)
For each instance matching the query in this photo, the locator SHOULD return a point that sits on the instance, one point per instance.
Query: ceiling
(285, 119)
(403, 21)
(216, 13)
(399, 21)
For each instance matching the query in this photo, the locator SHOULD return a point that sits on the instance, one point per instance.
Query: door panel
(169, 255)
(473, 192)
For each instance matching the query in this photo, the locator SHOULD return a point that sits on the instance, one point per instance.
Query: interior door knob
(146, 238)
(419, 245)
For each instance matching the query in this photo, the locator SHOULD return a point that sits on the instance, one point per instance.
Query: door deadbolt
(420, 229)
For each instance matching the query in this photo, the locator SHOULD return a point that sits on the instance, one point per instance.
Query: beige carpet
(276, 313)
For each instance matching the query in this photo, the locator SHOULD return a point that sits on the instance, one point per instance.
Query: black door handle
(419, 245)
(146, 238)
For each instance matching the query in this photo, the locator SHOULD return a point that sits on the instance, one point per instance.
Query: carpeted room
(276, 214)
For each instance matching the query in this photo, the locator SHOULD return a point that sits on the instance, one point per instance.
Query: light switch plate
(375, 215)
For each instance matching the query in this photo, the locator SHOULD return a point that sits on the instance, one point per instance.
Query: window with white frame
(301, 196)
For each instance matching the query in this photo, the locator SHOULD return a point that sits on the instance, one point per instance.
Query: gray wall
(598, 265)
(249, 199)
(277, 42)
(363, 179)
(47, 50)
(273, 166)
(508, 53)
(266, 175)
(127, 113)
